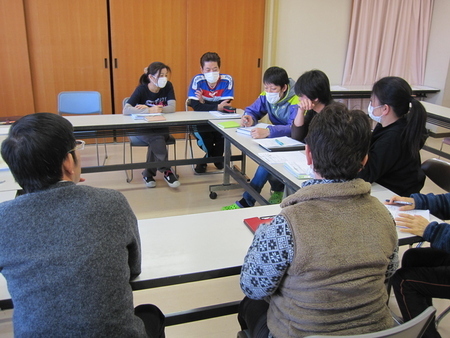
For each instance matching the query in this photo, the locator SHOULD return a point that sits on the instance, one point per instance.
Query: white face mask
(212, 77)
(370, 110)
(272, 98)
(162, 81)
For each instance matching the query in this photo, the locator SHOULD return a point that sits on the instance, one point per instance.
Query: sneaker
(171, 179)
(231, 207)
(276, 197)
(200, 168)
(149, 182)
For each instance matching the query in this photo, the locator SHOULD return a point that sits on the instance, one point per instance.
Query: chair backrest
(438, 171)
(124, 102)
(411, 329)
(187, 104)
(80, 103)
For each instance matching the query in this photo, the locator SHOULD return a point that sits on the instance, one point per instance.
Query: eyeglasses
(79, 145)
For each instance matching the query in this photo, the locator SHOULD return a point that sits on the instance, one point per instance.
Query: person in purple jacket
(279, 102)
(425, 272)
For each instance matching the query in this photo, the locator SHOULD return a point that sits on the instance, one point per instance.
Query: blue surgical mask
(370, 110)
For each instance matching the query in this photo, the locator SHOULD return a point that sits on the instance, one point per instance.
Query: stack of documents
(224, 115)
(296, 169)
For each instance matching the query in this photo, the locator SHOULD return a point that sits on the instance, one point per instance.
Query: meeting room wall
(304, 34)
(308, 34)
(437, 70)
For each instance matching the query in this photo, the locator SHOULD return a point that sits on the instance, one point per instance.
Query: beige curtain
(388, 37)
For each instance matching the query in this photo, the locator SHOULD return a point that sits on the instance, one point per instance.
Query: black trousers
(211, 142)
(424, 275)
(153, 318)
(252, 315)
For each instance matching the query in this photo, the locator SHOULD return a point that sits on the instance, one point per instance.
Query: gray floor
(191, 197)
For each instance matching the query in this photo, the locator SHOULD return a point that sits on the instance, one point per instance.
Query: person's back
(343, 240)
(65, 252)
(322, 262)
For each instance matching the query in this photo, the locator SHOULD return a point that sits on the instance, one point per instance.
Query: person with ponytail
(155, 94)
(394, 157)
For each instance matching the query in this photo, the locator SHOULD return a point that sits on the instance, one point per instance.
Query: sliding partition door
(143, 32)
(69, 49)
(16, 95)
(235, 30)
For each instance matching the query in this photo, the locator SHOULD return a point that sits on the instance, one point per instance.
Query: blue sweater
(438, 234)
(281, 114)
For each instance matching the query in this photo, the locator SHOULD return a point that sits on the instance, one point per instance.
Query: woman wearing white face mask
(155, 94)
(394, 158)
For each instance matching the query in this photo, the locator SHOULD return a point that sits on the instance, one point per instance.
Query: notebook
(297, 170)
(248, 130)
(284, 143)
(142, 116)
(253, 223)
(228, 124)
(154, 118)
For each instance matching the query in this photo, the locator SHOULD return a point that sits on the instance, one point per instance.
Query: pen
(400, 202)
(279, 142)
(267, 217)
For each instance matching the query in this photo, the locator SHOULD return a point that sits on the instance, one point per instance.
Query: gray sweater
(68, 254)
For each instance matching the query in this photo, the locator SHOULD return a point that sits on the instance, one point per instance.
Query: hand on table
(155, 109)
(260, 132)
(412, 224)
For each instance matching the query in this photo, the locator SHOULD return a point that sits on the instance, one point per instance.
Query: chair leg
(98, 156)
(175, 155)
(131, 160)
(441, 316)
(129, 177)
(106, 152)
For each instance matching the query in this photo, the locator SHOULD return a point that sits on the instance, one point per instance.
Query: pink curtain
(388, 37)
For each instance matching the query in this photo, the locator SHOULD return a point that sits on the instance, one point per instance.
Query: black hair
(397, 93)
(153, 69)
(277, 76)
(339, 140)
(210, 57)
(314, 84)
(36, 148)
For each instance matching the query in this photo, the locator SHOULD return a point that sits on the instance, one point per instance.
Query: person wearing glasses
(400, 133)
(67, 251)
